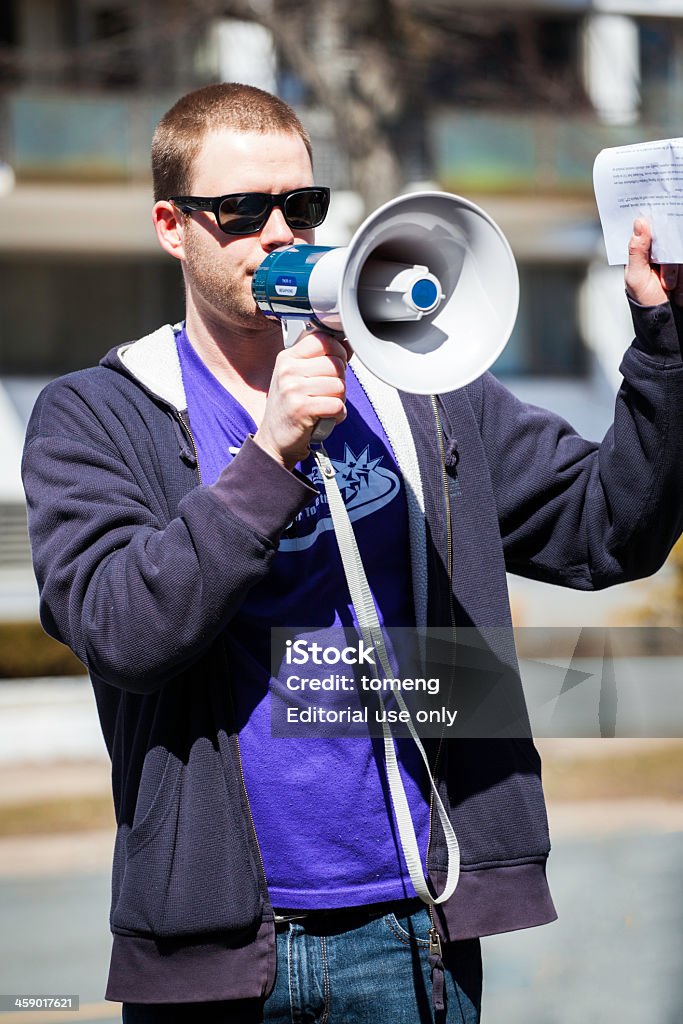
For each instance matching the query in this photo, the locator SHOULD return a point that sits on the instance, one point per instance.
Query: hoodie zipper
(434, 937)
(185, 422)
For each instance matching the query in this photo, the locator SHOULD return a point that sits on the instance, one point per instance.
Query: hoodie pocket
(187, 866)
(156, 799)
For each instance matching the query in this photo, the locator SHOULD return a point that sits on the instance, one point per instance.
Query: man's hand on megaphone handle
(646, 283)
(308, 385)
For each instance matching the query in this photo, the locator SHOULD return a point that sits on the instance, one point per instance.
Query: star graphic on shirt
(354, 474)
(366, 486)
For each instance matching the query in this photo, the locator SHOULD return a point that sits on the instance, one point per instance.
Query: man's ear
(169, 225)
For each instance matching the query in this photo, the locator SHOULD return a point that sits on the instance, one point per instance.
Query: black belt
(346, 917)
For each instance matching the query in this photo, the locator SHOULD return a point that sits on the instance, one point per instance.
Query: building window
(546, 341)
(509, 60)
(61, 316)
(661, 69)
(8, 23)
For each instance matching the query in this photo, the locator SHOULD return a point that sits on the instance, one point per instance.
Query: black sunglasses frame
(212, 204)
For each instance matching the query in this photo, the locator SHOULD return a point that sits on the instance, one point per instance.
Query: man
(169, 492)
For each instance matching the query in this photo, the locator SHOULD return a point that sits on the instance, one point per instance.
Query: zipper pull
(434, 942)
(188, 449)
(436, 963)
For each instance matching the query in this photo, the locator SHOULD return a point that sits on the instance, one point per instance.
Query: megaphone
(427, 291)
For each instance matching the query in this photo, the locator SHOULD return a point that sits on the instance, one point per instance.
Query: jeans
(375, 972)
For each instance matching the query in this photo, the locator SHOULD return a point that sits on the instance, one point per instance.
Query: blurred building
(518, 116)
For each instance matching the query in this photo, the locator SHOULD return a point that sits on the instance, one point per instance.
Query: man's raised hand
(646, 283)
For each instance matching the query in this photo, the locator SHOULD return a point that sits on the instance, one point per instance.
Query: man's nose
(276, 231)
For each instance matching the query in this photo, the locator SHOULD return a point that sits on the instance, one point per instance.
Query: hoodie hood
(154, 363)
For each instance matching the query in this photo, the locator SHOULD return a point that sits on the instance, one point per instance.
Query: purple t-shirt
(321, 806)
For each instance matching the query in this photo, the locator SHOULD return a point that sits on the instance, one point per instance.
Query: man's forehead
(231, 160)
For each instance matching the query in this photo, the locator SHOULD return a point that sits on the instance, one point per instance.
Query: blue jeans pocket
(410, 929)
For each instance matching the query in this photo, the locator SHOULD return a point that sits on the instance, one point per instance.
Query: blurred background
(507, 104)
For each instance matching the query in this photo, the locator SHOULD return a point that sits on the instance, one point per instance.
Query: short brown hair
(180, 133)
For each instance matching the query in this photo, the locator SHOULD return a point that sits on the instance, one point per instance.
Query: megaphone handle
(292, 330)
(322, 430)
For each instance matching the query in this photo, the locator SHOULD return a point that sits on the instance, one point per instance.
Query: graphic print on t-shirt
(366, 486)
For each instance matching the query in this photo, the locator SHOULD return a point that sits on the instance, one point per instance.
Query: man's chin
(255, 320)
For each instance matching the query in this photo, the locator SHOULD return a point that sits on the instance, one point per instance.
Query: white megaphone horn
(426, 291)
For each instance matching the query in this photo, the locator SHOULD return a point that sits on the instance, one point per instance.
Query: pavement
(25, 781)
(615, 873)
(614, 954)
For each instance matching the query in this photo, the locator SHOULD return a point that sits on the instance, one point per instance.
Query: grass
(655, 774)
(65, 814)
(26, 651)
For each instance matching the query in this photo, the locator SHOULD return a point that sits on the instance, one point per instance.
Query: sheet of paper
(645, 180)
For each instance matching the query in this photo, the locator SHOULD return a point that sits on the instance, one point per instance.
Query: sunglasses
(243, 213)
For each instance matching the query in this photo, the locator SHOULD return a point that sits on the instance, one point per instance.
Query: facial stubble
(228, 294)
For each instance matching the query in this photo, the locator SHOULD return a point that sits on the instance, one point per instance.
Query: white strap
(368, 623)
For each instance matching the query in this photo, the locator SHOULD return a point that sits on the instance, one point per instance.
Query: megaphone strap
(371, 632)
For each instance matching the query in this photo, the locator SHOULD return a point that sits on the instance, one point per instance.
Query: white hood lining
(154, 362)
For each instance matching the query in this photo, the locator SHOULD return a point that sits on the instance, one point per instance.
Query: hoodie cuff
(659, 330)
(261, 492)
